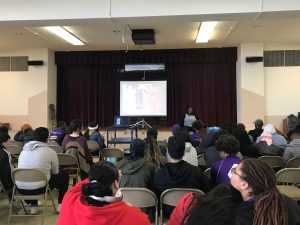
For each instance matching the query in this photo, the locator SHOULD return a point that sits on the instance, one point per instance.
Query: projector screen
(143, 98)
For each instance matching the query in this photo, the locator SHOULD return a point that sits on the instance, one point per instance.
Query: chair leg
(11, 204)
(51, 197)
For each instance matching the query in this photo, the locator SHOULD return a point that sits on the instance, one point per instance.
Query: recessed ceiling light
(205, 31)
(64, 34)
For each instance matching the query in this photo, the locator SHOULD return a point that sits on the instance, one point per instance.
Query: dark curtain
(205, 79)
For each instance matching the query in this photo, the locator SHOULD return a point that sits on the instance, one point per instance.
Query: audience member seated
(58, 133)
(258, 124)
(25, 134)
(5, 162)
(136, 170)
(246, 147)
(196, 135)
(152, 150)
(217, 207)
(152, 134)
(263, 204)
(177, 173)
(243, 127)
(207, 147)
(292, 150)
(227, 145)
(76, 140)
(188, 119)
(93, 134)
(37, 155)
(97, 200)
(270, 143)
(190, 153)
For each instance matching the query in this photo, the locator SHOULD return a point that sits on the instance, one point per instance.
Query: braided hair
(269, 205)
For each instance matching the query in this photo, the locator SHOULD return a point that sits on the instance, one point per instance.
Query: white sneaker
(33, 210)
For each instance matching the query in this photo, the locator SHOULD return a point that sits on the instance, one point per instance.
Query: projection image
(143, 98)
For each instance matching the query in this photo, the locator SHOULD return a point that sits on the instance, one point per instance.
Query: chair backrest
(93, 145)
(273, 161)
(14, 149)
(29, 175)
(67, 160)
(201, 160)
(173, 195)
(162, 143)
(51, 143)
(288, 175)
(18, 143)
(207, 173)
(141, 198)
(56, 148)
(111, 153)
(293, 163)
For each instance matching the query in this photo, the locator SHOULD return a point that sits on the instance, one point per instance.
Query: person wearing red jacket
(97, 200)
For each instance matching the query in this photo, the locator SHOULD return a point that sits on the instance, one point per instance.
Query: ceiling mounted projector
(143, 36)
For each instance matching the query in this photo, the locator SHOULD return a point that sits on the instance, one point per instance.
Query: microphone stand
(142, 122)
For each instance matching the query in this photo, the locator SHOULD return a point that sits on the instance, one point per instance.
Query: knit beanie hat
(175, 128)
(93, 126)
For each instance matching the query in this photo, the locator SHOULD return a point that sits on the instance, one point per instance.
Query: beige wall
(24, 95)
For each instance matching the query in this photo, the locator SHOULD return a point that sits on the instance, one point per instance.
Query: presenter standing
(188, 119)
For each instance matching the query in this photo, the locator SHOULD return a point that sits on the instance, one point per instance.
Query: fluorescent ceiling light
(64, 34)
(205, 31)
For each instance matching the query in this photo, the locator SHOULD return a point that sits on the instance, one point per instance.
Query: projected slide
(143, 98)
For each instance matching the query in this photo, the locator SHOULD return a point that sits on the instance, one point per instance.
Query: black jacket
(5, 171)
(179, 175)
(255, 133)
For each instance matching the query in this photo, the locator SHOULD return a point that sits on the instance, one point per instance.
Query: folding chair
(51, 143)
(69, 163)
(141, 198)
(172, 196)
(93, 146)
(56, 148)
(111, 154)
(162, 143)
(14, 150)
(207, 173)
(275, 162)
(289, 178)
(30, 175)
(201, 161)
(293, 163)
(18, 143)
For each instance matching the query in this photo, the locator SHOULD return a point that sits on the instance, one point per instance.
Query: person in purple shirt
(58, 133)
(227, 146)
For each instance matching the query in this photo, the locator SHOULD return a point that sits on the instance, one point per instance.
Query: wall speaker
(143, 36)
(253, 59)
(35, 63)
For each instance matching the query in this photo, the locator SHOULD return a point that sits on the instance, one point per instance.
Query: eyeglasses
(233, 170)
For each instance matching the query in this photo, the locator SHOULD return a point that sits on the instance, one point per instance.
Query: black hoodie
(179, 175)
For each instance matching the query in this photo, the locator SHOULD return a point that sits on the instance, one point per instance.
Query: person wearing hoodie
(292, 150)
(58, 133)
(37, 155)
(190, 153)
(93, 134)
(136, 170)
(97, 200)
(177, 173)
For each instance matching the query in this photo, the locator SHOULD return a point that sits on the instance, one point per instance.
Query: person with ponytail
(263, 204)
(98, 200)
